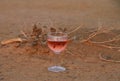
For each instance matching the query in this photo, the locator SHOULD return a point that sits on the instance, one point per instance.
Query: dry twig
(100, 31)
(75, 29)
(108, 60)
(24, 34)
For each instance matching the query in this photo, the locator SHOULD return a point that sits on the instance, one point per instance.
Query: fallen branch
(99, 31)
(12, 41)
(103, 43)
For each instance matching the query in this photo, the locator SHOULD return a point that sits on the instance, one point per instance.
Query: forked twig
(99, 31)
(103, 44)
(108, 41)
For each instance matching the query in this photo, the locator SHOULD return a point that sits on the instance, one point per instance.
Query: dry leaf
(36, 31)
(52, 29)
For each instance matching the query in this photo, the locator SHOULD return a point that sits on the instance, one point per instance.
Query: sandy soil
(81, 60)
(15, 14)
(83, 64)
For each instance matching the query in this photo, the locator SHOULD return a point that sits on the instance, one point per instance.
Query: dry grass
(38, 36)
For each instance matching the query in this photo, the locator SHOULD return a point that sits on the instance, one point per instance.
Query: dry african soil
(81, 60)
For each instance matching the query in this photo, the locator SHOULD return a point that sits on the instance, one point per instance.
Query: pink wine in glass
(57, 42)
(57, 46)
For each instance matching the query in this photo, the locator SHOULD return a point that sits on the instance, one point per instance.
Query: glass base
(56, 69)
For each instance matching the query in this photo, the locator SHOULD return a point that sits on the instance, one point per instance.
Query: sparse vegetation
(36, 39)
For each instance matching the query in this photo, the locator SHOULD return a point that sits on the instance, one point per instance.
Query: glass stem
(57, 59)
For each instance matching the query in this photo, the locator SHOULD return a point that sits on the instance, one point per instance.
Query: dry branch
(101, 30)
(104, 42)
(108, 41)
(4, 42)
(112, 40)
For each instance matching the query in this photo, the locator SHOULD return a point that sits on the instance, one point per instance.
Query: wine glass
(57, 42)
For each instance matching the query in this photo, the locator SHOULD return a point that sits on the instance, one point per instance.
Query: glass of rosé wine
(57, 42)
